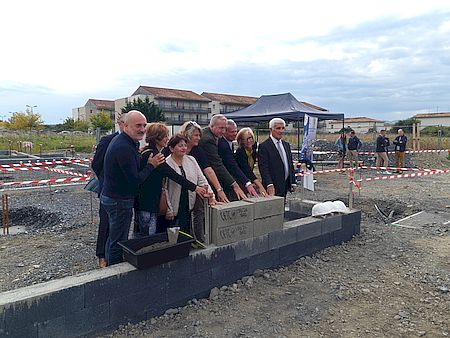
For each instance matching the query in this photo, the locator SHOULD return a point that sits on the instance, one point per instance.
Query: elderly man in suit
(209, 143)
(225, 147)
(275, 161)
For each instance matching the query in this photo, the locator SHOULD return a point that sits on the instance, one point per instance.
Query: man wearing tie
(275, 161)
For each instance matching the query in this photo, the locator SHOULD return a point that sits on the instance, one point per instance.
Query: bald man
(122, 177)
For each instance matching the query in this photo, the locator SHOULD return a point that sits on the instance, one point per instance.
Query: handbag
(163, 206)
(93, 185)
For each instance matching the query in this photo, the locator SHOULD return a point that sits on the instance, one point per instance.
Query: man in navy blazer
(225, 148)
(97, 167)
(275, 161)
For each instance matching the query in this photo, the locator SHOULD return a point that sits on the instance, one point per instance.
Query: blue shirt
(121, 168)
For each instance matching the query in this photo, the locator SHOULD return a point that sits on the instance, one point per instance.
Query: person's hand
(169, 215)
(271, 190)
(200, 191)
(156, 160)
(222, 197)
(251, 190)
(238, 191)
(260, 187)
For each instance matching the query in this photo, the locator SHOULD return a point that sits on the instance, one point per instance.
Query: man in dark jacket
(123, 176)
(97, 167)
(381, 149)
(275, 161)
(209, 144)
(400, 147)
(353, 145)
(225, 148)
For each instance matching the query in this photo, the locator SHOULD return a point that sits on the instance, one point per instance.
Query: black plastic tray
(156, 257)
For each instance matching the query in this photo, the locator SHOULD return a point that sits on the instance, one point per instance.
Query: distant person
(123, 175)
(226, 152)
(400, 147)
(353, 146)
(209, 143)
(275, 161)
(246, 155)
(341, 145)
(180, 200)
(382, 144)
(97, 167)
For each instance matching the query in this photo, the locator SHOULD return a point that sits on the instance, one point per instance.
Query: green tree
(69, 124)
(102, 120)
(82, 125)
(25, 121)
(406, 125)
(151, 110)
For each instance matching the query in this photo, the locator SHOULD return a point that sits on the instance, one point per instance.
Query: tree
(406, 125)
(69, 124)
(102, 120)
(82, 125)
(151, 110)
(25, 121)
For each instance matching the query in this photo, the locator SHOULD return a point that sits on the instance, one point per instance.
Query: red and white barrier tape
(73, 173)
(323, 171)
(407, 151)
(43, 168)
(394, 168)
(44, 163)
(424, 173)
(4, 170)
(57, 180)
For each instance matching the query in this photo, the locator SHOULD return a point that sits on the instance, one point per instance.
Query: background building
(358, 124)
(226, 103)
(93, 107)
(433, 119)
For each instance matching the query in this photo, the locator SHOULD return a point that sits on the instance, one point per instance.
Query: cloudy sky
(382, 59)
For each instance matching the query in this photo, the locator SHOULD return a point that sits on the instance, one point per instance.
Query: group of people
(351, 144)
(167, 182)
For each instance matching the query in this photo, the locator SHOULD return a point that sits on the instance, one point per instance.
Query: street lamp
(31, 108)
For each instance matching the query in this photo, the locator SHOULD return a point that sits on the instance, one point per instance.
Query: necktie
(284, 159)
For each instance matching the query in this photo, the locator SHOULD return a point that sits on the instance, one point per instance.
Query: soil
(390, 281)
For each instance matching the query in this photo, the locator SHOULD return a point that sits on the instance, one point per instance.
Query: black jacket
(242, 160)
(150, 190)
(271, 167)
(228, 160)
(382, 144)
(99, 157)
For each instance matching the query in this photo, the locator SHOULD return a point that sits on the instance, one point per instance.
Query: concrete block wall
(100, 300)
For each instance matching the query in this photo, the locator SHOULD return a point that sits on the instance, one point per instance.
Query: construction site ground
(392, 280)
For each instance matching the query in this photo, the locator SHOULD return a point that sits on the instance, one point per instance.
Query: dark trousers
(103, 230)
(120, 213)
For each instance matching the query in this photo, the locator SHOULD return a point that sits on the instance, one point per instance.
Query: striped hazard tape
(73, 173)
(57, 180)
(394, 168)
(45, 163)
(389, 177)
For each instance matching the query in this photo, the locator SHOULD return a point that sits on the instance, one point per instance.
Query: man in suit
(209, 143)
(275, 161)
(225, 147)
(97, 167)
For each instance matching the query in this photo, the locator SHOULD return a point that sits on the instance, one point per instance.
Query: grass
(82, 143)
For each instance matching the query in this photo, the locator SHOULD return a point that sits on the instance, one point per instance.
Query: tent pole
(298, 137)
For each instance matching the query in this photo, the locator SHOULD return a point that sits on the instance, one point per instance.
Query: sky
(382, 59)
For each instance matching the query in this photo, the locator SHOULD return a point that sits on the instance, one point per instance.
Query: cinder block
(237, 212)
(310, 227)
(2, 320)
(331, 223)
(292, 252)
(302, 206)
(231, 233)
(267, 206)
(343, 235)
(27, 330)
(212, 256)
(251, 247)
(262, 226)
(265, 260)
(103, 290)
(226, 274)
(282, 237)
(42, 308)
(353, 219)
(53, 328)
(180, 268)
(179, 291)
(87, 320)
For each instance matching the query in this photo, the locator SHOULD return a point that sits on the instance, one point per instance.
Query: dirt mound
(33, 218)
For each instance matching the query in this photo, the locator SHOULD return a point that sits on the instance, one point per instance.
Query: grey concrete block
(354, 219)
(133, 308)
(267, 206)
(53, 328)
(265, 260)
(180, 291)
(262, 226)
(226, 274)
(292, 252)
(231, 233)
(181, 268)
(237, 212)
(2, 320)
(282, 237)
(302, 206)
(44, 307)
(87, 320)
(251, 246)
(103, 290)
(212, 256)
(331, 223)
(310, 227)
(26, 330)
